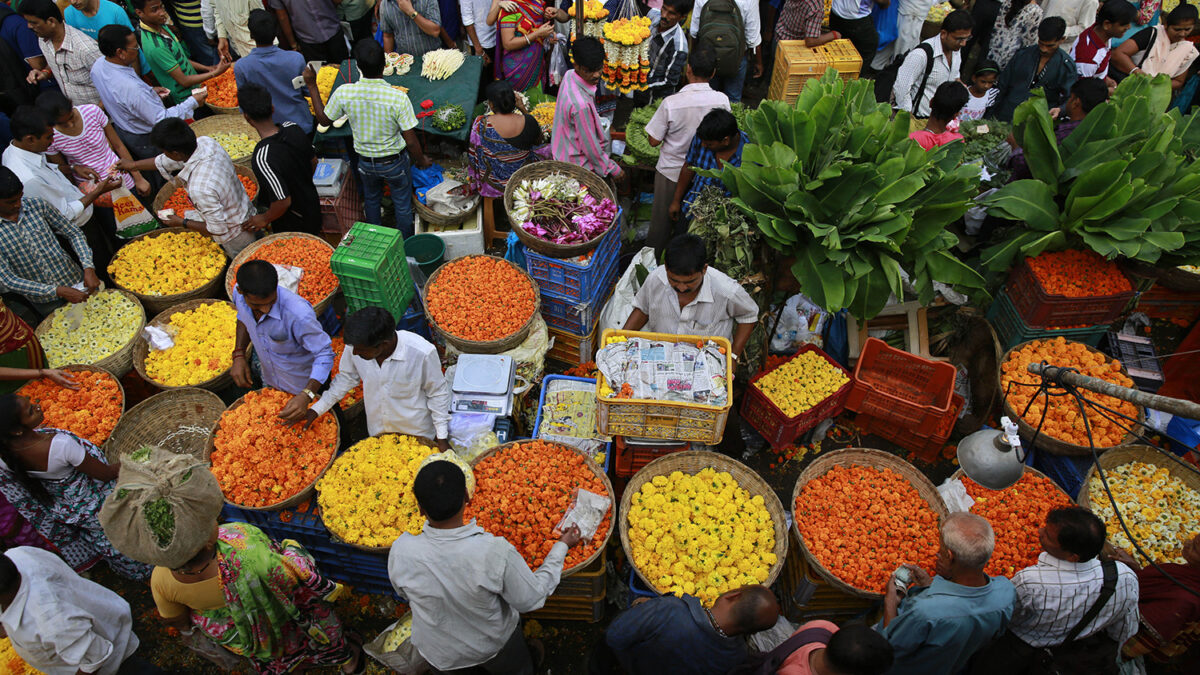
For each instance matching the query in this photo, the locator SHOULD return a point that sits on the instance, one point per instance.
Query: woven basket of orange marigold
(91, 411)
(481, 304)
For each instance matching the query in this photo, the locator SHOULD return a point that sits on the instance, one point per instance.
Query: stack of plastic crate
(372, 269)
(574, 291)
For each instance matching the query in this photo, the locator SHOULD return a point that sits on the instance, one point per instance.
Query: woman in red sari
(526, 27)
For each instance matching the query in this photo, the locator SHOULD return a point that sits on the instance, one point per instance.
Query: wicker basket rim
(861, 457)
(133, 415)
(44, 326)
(595, 185)
(432, 217)
(161, 299)
(304, 493)
(1137, 452)
(141, 348)
(491, 346)
(244, 255)
(590, 464)
(692, 462)
(959, 474)
(229, 121)
(83, 367)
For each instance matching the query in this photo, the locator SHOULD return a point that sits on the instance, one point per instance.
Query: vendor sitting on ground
(717, 140)
(1086, 94)
(404, 390)
(295, 352)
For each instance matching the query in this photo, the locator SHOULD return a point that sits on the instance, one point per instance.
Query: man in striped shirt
(190, 26)
(1090, 51)
(578, 136)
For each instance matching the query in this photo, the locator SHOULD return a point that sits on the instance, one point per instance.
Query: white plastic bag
(465, 428)
(558, 60)
(618, 308)
(404, 658)
(289, 276)
(801, 322)
(443, 199)
(158, 338)
(587, 511)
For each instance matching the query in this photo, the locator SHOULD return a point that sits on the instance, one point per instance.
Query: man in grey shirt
(412, 27)
(313, 27)
(466, 587)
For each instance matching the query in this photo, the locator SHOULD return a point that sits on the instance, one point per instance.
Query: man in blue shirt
(296, 354)
(274, 69)
(942, 622)
(679, 635)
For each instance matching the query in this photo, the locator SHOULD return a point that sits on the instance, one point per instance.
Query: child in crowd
(982, 91)
(948, 100)
(87, 141)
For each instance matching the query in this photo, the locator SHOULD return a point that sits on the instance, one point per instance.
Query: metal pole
(1174, 406)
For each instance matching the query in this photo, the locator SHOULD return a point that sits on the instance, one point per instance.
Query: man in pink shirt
(578, 137)
(819, 648)
(949, 98)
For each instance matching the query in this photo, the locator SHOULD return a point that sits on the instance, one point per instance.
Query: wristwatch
(413, 15)
(311, 396)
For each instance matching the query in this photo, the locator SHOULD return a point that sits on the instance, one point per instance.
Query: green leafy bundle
(1123, 183)
(835, 183)
(638, 150)
(449, 117)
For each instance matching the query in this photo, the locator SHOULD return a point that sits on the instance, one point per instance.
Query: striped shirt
(187, 13)
(410, 39)
(379, 114)
(578, 137)
(700, 157)
(32, 262)
(800, 19)
(213, 186)
(1091, 54)
(71, 64)
(668, 55)
(90, 148)
(1054, 594)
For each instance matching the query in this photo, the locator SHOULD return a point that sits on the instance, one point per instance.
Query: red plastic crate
(1041, 309)
(925, 446)
(776, 427)
(901, 388)
(631, 457)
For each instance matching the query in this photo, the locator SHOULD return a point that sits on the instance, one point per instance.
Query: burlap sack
(163, 508)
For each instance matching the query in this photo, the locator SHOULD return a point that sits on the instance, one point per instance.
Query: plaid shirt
(32, 262)
(213, 186)
(700, 157)
(71, 64)
(800, 19)
(379, 114)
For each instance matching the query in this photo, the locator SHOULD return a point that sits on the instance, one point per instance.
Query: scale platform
(483, 383)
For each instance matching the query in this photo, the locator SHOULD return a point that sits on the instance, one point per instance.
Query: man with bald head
(941, 622)
(679, 635)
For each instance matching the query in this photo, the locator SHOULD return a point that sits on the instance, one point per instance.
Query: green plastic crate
(372, 268)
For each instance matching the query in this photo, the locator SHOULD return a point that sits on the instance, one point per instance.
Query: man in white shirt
(914, 90)
(852, 18)
(61, 623)
(404, 390)
(482, 34)
(466, 587)
(671, 131)
(1079, 14)
(752, 24)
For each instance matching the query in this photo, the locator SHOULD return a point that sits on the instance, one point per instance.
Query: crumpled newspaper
(666, 371)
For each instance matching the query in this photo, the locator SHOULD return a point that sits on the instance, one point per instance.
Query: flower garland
(560, 210)
(627, 53)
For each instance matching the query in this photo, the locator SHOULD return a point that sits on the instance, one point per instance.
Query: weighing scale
(483, 383)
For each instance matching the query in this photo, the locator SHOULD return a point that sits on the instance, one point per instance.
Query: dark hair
(10, 576)
(369, 327)
(1052, 28)
(369, 55)
(716, 125)
(257, 277)
(858, 649)
(255, 101)
(1091, 92)
(681, 6)
(10, 422)
(263, 25)
(686, 254)
(1079, 531)
(441, 490)
(588, 53)
(1182, 14)
(10, 185)
(948, 99)
(54, 104)
(500, 94)
(113, 37)
(959, 19)
(42, 9)
(747, 610)
(28, 120)
(1014, 9)
(172, 134)
(988, 66)
(139, 5)
(1115, 11)
(703, 61)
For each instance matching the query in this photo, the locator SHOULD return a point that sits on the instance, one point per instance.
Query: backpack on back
(722, 27)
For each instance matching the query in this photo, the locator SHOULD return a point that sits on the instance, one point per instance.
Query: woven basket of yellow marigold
(204, 332)
(169, 266)
(366, 497)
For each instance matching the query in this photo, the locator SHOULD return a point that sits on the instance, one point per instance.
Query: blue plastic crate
(537, 424)
(569, 280)
(575, 317)
(637, 589)
(1067, 471)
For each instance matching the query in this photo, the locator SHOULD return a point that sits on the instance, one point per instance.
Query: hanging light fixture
(993, 458)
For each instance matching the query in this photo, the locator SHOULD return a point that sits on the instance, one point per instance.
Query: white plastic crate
(459, 243)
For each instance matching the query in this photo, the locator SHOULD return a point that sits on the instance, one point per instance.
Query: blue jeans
(732, 86)
(398, 176)
(198, 47)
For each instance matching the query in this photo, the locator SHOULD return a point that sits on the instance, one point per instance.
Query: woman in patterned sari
(258, 599)
(520, 51)
(502, 141)
(58, 482)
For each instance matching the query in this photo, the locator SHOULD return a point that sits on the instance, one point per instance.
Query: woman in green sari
(258, 599)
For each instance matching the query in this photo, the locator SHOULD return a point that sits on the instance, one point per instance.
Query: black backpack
(769, 662)
(885, 81)
(722, 27)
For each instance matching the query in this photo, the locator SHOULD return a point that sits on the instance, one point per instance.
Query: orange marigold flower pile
(180, 203)
(1063, 419)
(310, 255)
(1016, 513)
(222, 90)
(91, 411)
(862, 523)
(523, 491)
(259, 461)
(354, 395)
(480, 298)
(1078, 274)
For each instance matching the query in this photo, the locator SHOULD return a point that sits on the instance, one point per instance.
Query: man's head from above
(718, 131)
(686, 260)
(967, 544)
(1086, 94)
(441, 491)
(264, 27)
(174, 138)
(1051, 32)
(31, 129)
(588, 55)
(255, 103)
(152, 12)
(746, 610)
(118, 43)
(371, 332)
(44, 17)
(948, 100)
(1073, 534)
(856, 649)
(368, 54)
(702, 63)
(10, 194)
(956, 30)
(258, 282)
(1114, 18)
(56, 106)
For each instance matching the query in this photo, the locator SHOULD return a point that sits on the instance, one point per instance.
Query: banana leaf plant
(1123, 183)
(835, 183)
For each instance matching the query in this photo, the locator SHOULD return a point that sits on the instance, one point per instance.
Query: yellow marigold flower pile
(170, 263)
(366, 497)
(204, 340)
(109, 321)
(12, 664)
(801, 383)
(700, 534)
(1161, 511)
(629, 31)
